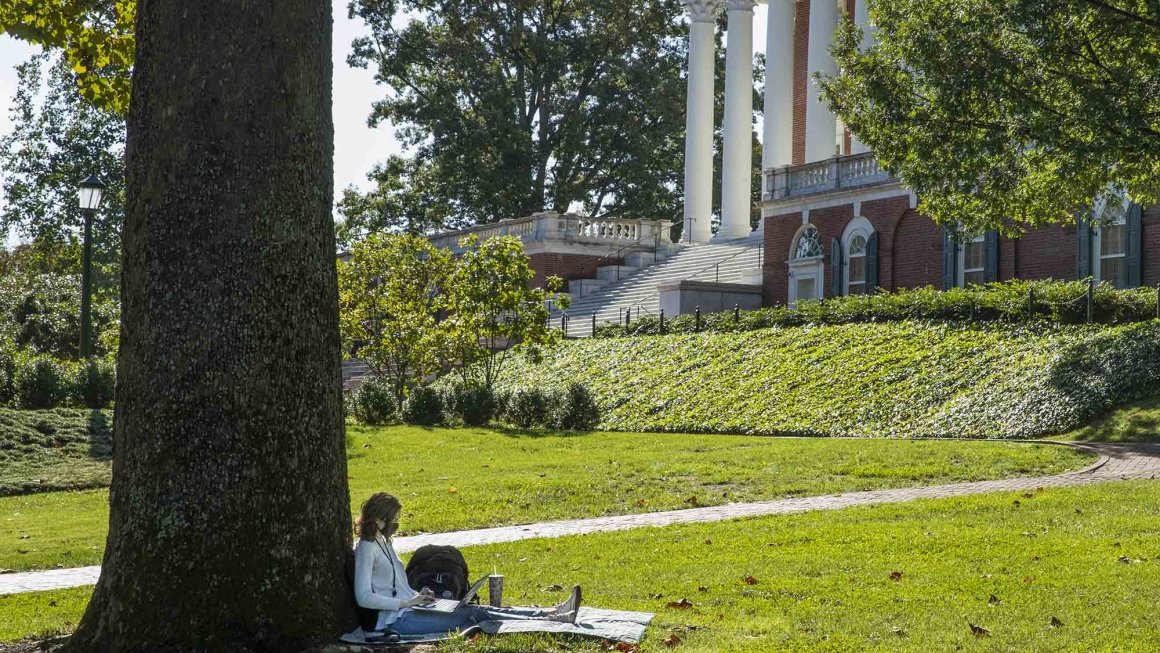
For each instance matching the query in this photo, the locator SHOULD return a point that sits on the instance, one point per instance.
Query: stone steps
(724, 262)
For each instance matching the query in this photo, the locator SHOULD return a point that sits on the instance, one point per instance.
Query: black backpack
(439, 568)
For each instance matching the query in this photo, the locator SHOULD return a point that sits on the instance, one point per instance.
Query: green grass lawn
(451, 479)
(1087, 557)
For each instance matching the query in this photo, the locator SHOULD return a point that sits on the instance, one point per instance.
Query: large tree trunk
(229, 511)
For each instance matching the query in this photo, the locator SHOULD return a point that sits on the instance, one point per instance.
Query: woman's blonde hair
(380, 506)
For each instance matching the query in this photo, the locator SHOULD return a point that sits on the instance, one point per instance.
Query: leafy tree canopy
(57, 140)
(406, 199)
(492, 305)
(95, 35)
(389, 297)
(513, 108)
(1007, 114)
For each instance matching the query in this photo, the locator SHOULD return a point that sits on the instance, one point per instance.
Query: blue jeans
(422, 622)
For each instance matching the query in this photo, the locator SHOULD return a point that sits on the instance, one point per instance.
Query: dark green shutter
(835, 268)
(872, 263)
(991, 266)
(950, 259)
(1083, 242)
(1135, 212)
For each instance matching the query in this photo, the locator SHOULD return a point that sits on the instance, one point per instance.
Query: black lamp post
(90, 194)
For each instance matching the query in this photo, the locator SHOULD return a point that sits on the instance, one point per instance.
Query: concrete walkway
(1116, 462)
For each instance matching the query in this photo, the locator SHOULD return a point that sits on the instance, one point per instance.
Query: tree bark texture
(229, 517)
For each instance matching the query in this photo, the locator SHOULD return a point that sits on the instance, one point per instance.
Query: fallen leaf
(367, 446)
(1028, 580)
(1116, 544)
(553, 588)
(623, 647)
(979, 631)
(641, 502)
(1056, 623)
(1034, 558)
(656, 596)
(994, 600)
(708, 541)
(702, 588)
(1028, 495)
(898, 631)
(453, 490)
(671, 641)
(683, 604)
(692, 501)
(750, 580)
(1017, 504)
(52, 604)
(896, 576)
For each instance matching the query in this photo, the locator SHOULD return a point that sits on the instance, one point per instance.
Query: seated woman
(380, 583)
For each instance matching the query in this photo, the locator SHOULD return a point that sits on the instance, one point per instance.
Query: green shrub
(894, 379)
(423, 407)
(40, 383)
(472, 404)
(527, 408)
(1060, 302)
(373, 403)
(573, 408)
(93, 383)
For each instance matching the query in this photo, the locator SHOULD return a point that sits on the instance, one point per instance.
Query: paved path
(1116, 462)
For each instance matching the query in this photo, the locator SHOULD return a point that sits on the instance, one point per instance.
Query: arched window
(973, 262)
(856, 266)
(1110, 262)
(805, 265)
(808, 245)
(859, 259)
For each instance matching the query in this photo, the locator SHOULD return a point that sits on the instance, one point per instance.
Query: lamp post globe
(90, 194)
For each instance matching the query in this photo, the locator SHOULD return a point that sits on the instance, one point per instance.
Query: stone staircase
(634, 285)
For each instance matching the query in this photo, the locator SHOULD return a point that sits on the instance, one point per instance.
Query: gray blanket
(614, 625)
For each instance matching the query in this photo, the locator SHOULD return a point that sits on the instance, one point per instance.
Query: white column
(821, 125)
(699, 121)
(737, 157)
(862, 20)
(778, 140)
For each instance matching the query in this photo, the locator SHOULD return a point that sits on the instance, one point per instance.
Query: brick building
(834, 224)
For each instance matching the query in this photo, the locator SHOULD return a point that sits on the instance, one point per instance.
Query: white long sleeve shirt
(380, 580)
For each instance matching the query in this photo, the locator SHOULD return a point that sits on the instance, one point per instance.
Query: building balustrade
(837, 173)
(563, 228)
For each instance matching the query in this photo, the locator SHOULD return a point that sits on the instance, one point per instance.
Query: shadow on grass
(1138, 421)
(516, 432)
(1112, 381)
(100, 435)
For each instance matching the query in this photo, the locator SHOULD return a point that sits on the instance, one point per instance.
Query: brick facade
(565, 266)
(910, 248)
(801, 78)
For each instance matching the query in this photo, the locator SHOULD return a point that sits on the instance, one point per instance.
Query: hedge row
(453, 403)
(1062, 302)
(896, 379)
(40, 382)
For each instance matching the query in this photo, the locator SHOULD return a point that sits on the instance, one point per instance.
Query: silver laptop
(451, 605)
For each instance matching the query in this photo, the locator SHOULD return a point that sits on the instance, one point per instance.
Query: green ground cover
(451, 479)
(825, 581)
(898, 379)
(59, 449)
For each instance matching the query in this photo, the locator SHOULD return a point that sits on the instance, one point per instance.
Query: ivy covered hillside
(895, 379)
